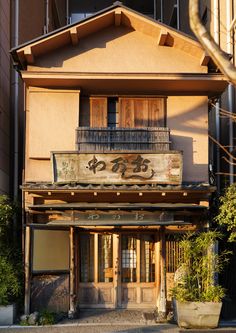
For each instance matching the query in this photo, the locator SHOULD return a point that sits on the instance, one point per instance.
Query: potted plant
(197, 296)
(9, 267)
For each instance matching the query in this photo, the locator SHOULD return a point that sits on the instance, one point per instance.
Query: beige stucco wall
(4, 95)
(187, 118)
(50, 250)
(122, 50)
(52, 116)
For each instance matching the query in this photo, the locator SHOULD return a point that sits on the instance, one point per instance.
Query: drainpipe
(162, 12)
(67, 12)
(15, 109)
(154, 9)
(46, 27)
(230, 91)
(178, 14)
(216, 26)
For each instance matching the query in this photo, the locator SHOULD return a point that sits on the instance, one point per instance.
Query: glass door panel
(128, 259)
(105, 258)
(86, 254)
(147, 258)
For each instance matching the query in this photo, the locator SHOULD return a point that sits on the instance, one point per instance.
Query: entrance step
(114, 316)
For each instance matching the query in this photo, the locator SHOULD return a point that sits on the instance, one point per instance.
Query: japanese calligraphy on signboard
(123, 168)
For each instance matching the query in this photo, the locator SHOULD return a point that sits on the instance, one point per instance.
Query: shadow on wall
(96, 40)
(191, 171)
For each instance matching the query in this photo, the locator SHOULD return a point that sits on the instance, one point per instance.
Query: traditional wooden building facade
(116, 159)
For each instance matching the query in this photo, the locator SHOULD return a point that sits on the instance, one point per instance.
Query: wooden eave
(124, 83)
(111, 206)
(116, 15)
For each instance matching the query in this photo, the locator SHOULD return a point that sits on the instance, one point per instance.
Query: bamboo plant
(195, 278)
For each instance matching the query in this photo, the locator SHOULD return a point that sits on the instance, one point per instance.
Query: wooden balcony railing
(122, 139)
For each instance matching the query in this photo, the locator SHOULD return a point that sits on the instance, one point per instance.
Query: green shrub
(46, 318)
(227, 211)
(10, 257)
(9, 284)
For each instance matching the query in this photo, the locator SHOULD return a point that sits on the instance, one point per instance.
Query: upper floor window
(129, 112)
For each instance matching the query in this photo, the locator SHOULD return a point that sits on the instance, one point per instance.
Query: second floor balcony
(101, 139)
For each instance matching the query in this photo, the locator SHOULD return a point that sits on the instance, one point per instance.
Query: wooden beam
(72, 306)
(74, 36)
(165, 39)
(205, 59)
(29, 55)
(117, 17)
(27, 270)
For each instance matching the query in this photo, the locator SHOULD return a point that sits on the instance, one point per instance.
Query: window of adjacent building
(205, 16)
(81, 9)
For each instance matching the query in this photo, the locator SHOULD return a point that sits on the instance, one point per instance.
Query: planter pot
(197, 314)
(7, 314)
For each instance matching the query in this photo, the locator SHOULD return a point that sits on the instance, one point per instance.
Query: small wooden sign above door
(118, 168)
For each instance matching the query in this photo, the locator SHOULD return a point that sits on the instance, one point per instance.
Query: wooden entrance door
(137, 271)
(116, 270)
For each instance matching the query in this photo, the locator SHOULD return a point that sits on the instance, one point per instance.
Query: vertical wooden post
(72, 307)
(138, 271)
(95, 258)
(157, 267)
(116, 270)
(162, 303)
(27, 269)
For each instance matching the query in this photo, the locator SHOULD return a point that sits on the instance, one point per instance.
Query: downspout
(162, 11)
(178, 14)
(15, 110)
(155, 9)
(230, 91)
(46, 29)
(67, 12)
(217, 104)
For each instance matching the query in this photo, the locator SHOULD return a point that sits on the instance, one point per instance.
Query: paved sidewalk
(109, 321)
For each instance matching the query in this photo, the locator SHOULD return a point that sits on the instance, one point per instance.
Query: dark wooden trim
(50, 272)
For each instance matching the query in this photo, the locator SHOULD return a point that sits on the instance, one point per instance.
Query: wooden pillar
(72, 305)
(162, 303)
(27, 269)
(116, 271)
(138, 270)
(157, 267)
(96, 258)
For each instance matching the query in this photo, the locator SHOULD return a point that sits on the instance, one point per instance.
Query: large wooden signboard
(118, 168)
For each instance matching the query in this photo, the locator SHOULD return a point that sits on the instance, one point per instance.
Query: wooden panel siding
(142, 112)
(50, 292)
(98, 112)
(114, 139)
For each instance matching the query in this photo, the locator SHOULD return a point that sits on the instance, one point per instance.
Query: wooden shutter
(126, 112)
(156, 112)
(98, 112)
(141, 112)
